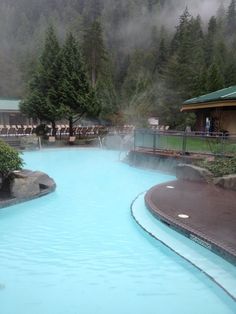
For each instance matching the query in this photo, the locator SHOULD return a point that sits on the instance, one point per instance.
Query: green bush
(220, 166)
(9, 159)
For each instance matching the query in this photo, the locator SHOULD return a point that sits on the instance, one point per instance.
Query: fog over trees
(142, 57)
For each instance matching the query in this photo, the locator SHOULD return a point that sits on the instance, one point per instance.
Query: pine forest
(130, 59)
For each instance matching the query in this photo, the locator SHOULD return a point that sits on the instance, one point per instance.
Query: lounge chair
(28, 130)
(4, 130)
(1, 127)
(12, 130)
(20, 130)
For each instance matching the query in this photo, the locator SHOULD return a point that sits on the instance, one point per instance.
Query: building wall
(228, 121)
(201, 120)
(222, 119)
(13, 118)
(4, 119)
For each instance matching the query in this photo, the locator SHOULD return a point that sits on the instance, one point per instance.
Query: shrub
(220, 166)
(9, 159)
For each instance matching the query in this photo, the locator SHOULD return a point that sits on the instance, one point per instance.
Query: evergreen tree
(162, 56)
(220, 17)
(180, 30)
(231, 19)
(178, 69)
(93, 10)
(210, 40)
(185, 64)
(230, 69)
(215, 79)
(76, 97)
(94, 50)
(137, 90)
(156, 55)
(183, 76)
(221, 55)
(42, 100)
(136, 78)
(106, 94)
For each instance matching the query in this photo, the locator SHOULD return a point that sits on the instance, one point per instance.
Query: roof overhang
(9, 110)
(9, 106)
(208, 105)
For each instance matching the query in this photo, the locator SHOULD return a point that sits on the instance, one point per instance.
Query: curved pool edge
(221, 272)
(196, 230)
(15, 201)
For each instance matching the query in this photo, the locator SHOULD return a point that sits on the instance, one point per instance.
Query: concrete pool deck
(211, 213)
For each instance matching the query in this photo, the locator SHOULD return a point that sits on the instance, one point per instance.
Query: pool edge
(221, 286)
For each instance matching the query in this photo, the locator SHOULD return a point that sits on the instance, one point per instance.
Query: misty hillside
(156, 53)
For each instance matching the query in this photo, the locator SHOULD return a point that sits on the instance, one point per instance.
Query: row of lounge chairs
(160, 127)
(17, 130)
(80, 131)
(61, 130)
(122, 130)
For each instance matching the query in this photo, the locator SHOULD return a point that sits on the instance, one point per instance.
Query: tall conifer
(231, 18)
(76, 97)
(42, 100)
(215, 79)
(94, 50)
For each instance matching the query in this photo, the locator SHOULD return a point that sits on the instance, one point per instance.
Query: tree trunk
(53, 128)
(93, 78)
(93, 74)
(71, 126)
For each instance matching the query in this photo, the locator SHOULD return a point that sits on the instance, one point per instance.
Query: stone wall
(198, 174)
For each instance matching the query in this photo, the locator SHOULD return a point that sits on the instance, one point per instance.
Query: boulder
(20, 174)
(42, 179)
(24, 187)
(26, 183)
(193, 173)
(226, 182)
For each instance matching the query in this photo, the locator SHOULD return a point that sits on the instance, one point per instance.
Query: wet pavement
(209, 213)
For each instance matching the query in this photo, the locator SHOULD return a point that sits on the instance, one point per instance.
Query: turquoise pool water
(78, 251)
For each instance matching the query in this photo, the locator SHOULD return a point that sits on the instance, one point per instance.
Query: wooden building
(215, 112)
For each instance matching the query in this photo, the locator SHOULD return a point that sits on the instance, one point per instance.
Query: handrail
(216, 143)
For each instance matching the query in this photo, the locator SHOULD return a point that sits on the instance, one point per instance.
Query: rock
(42, 179)
(193, 173)
(226, 182)
(24, 187)
(26, 183)
(20, 173)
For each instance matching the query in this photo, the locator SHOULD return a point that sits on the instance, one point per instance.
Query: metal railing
(185, 142)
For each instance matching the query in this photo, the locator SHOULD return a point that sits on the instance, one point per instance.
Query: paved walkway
(211, 211)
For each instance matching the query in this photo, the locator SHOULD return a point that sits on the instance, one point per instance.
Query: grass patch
(194, 144)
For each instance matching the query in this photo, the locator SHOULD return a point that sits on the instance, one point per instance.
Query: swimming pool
(78, 250)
